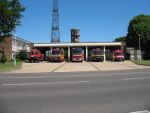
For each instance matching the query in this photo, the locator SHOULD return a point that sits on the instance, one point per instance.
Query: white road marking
(130, 73)
(53, 83)
(67, 76)
(145, 111)
(138, 78)
(28, 77)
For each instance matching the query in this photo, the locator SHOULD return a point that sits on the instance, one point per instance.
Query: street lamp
(140, 46)
(15, 49)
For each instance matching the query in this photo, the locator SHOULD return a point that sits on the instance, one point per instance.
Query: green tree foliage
(139, 27)
(120, 39)
(10, 15)
(3, 58)
(22, 55)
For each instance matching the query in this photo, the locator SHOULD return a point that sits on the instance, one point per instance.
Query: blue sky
(98, 20)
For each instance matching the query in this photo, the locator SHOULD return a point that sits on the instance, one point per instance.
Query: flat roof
(79, 44)
(21, 39)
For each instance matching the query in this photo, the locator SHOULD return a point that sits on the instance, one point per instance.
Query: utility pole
(15, 49)
(140, 46)
(55, 34)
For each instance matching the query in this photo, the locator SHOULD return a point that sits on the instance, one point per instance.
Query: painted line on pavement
(29, 77)
(94, 66)
(139, 78)
(63, 76)
(58, 67)
(53, 83)
(130, 73)
(69, 76)
(145, 111)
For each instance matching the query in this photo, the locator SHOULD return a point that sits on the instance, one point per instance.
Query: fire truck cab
(57, 55)
(97, 55)
(35, 56)
(118, 55)
(77, 55)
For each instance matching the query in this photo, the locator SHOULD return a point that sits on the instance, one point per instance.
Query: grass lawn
(143, 62)
(9, 66)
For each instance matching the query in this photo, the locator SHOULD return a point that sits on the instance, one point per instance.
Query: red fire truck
(77, 55)
(118, 55)
(35, 56)
(57, 55)
(97, 54)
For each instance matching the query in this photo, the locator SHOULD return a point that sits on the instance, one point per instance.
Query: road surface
(87, 92)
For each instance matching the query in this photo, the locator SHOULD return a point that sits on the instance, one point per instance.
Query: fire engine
(57, 55)
(97, 55)
(118, 55)
(77, 55)
(35, 56)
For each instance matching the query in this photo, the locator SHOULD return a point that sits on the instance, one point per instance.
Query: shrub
(3, 58)
(22, 55)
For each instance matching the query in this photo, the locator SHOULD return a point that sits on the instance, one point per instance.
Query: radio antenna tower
(55, 36)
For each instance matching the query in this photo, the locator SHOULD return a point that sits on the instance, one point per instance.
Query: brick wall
(6, 43)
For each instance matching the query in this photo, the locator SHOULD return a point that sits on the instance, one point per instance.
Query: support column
(51, 49)
(86, 53)
(68, 53)
(104, 54)
(50, 55)
(122, 47)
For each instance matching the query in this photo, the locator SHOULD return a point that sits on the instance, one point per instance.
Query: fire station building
(106, 47)
(10, 45)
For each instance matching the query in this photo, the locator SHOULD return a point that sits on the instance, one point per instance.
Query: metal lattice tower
(55, 36)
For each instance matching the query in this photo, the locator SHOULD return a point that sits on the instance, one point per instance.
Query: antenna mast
(55, 36)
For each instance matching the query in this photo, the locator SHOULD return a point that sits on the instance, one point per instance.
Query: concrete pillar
(86, 53)
(104, 54)
(123, 45)
(122, 48)
(51, 49)
(68, 53)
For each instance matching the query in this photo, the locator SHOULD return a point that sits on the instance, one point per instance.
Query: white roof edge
(78, 44)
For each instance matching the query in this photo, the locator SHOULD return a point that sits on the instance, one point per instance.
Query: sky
(97, 20)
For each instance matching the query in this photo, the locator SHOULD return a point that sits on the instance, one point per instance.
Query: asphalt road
(88, 92)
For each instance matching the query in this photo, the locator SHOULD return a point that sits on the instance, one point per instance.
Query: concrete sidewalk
(127, 65)
(39, 67)
(77, 67)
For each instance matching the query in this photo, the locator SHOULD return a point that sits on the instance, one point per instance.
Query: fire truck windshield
(97, 52)
(34, 52)
(118, 54)
(55, 52)
(77, 52)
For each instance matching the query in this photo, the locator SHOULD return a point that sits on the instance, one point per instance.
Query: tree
(120, 39)
(22, 55)
(139, 28)
(10, 15)
(3, 58)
